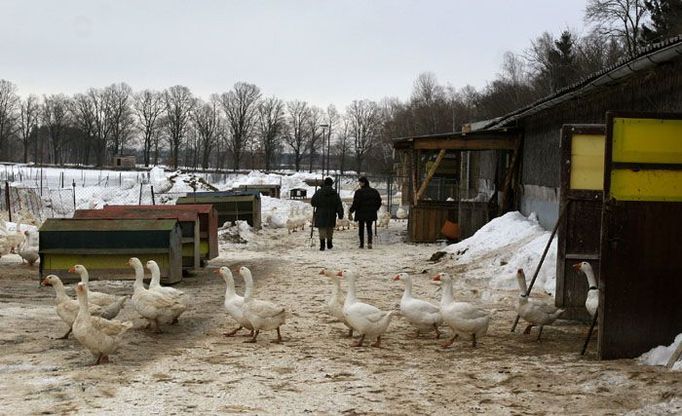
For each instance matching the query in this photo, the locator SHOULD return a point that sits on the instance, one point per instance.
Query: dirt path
(193, 368)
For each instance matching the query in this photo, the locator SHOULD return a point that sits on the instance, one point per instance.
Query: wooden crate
(270, 190)
(189, 224)
(426, 220)
(230, 205)
(104, 246)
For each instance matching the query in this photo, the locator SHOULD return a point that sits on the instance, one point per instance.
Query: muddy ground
(192, 368)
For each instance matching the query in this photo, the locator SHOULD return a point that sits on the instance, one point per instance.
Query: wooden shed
(457, 163)
(189, 224)
(271, 190)
(208, 225)
(104, 246)
(230, 205)
(297, 193)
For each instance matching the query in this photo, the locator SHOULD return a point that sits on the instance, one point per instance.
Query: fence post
(153, 201)
(74, 194)
(7, 200)
(139, 202)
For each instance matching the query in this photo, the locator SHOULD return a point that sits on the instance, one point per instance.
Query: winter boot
(369, 244)
(329, 243)
(321, 245)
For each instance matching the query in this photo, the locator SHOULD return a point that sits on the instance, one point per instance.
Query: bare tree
(298, 114)
(120, 116)
(365, 123)
(332, 120)
(619, 19)
(343, 144)
(206, 117)
(271, 125)
(28, 119)
(148, 108)
(56, 118)
(9, 103)
(312, 144)
(83, 115)
(179, 104)
(240, 106)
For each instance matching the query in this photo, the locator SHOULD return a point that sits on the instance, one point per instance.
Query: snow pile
(661, 355)
(506, 244)
(158, 179)
(240, 232)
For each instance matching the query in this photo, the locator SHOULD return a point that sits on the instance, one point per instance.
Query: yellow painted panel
(99, 261)
(188, 250)
(647, 140)
(203, 248)
(646, 185)
(587, 161)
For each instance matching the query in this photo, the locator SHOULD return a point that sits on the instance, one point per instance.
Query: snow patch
(661, 355)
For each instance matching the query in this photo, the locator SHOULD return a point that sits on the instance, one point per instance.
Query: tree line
(244, 129)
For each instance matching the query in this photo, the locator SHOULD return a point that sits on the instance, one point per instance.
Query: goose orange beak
(576, 267)
(396, 277)
(44, 282)
(340, 274)
(436, 278)
(321, 271)
(72, 270)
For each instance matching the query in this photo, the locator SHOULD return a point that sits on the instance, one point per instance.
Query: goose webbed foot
(65, 336)
(377, 344)
(252, 340)
(232, 333)
(539, 333)
(435, 327)
(350, 333)
(279, 338)
(359, 342)
(450, 341)
(527, 330)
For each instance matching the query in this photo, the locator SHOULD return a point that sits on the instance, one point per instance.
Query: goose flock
(91, 316)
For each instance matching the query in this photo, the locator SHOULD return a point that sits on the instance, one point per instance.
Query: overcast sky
(324, 52)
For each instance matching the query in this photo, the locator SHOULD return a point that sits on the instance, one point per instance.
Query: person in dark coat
(366, 203)
(328, 206)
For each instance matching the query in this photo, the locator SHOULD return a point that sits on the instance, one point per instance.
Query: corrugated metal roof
(646, 58)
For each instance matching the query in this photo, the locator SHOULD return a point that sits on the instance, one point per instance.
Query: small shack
(123, 161)
(297, 193)
(456, 180)
(230, 205)
(189, 224)
(104, 246)
(271, 190)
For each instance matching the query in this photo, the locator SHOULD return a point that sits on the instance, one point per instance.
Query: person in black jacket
(366, 203)
(327, 205)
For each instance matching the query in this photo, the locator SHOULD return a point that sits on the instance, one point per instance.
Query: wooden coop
(188, 220)
(229, 205)
(444, 176)
(641, 234)
(208, 225)
(578, 231)
(271, 190)
(104, 247)
(123, 161)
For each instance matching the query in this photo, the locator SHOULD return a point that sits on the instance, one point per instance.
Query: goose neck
(248, 291)
(229, 289)
(446, 292)
(407, 294)
(591, 280)
(350, 295)
(156, 276)
(139, 277)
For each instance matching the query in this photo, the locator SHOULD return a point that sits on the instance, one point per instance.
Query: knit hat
(363, 180)
(328, 181)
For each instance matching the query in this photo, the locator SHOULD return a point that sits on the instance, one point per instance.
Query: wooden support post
(676, 356)
(430, 174)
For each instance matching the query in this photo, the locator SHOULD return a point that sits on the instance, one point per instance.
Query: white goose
(420, 313)
(67, 308)
(98, 298)
(335, 303)
(367, 320)
(157, 308)
(29, 249)
(100, 336)
(155, 283)
(462, 317)
(264, 316)
(592, 301)
(534, 311)
(234, 304)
